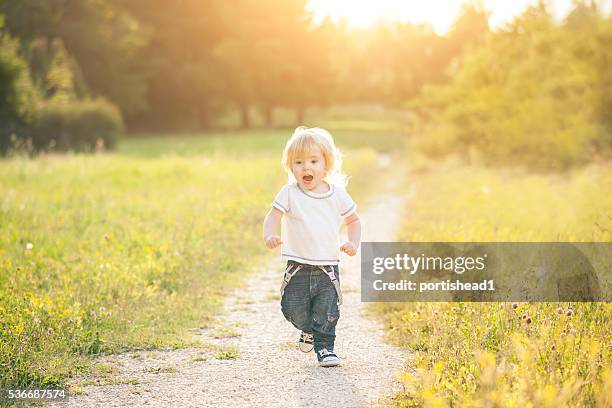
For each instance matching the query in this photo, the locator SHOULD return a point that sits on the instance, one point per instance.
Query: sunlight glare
(439, 13)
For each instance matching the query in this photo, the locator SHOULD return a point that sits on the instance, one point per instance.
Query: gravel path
(269, 370)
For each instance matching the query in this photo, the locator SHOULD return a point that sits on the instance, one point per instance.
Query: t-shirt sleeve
(281, 201)
(347, 205)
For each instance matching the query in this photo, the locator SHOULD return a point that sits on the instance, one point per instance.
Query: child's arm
(270, 228)
(353, 227)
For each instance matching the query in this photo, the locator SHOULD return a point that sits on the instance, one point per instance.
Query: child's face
(310, 170)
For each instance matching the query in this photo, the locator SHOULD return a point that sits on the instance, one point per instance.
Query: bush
(76, 125)
(534, 95)
(17, 94)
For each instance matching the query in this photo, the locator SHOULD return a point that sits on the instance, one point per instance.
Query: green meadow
(127, 250)
(492, 354)
(104, 253)
(497, 132)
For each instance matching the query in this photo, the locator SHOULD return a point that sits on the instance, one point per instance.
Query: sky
(439, 13)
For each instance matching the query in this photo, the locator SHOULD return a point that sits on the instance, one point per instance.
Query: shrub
(533, 95)
(17, 94)
(76, 125)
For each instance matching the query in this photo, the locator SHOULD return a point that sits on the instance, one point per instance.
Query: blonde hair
(303, 141)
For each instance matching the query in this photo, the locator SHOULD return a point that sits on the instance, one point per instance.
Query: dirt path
(269, 370)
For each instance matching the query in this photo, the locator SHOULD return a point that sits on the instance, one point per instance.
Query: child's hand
(349, 247)
(272, 241)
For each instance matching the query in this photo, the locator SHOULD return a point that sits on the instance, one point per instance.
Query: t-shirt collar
(317, 195)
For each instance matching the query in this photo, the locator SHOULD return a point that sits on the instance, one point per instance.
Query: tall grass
(510, 355)
(103, 253)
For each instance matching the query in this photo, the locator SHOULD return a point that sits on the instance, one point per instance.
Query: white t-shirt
(311, 223)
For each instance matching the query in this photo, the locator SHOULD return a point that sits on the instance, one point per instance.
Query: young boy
(311, 208)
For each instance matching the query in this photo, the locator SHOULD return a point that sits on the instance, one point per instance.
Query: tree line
(72, 72)
(179, 64)
(537, 94)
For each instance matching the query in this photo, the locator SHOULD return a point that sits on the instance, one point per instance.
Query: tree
(183, 84)
(272, 54)
(531, 95)
(469, 29)
(17, 95)
(101, 35)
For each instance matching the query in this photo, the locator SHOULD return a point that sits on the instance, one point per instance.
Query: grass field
(108, 252)
(250, 143)
(470, 354)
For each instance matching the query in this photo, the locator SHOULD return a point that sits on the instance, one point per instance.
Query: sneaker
(328, 358)
(306, 342)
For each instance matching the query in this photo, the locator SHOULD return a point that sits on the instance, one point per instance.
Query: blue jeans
(310, 303)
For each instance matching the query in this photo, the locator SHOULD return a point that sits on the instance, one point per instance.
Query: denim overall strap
(334, 281)
(288, 275)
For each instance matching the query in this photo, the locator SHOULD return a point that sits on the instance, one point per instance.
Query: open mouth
(307, 178)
